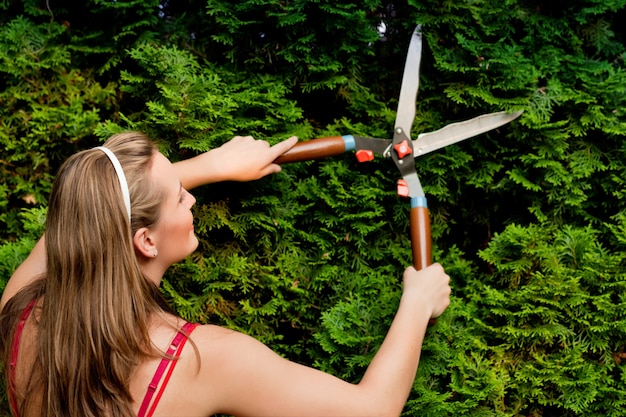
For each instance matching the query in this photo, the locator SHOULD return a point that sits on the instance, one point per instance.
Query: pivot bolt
(403, 149)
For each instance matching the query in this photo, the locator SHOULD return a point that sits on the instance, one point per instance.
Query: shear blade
(410, 83)
(456, 132)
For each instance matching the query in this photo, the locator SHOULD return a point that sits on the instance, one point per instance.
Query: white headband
(120, 176)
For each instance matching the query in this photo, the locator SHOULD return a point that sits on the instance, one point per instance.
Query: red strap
(15, 349)
(175, 347)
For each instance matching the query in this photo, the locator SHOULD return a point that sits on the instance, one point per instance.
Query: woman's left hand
(243, 158)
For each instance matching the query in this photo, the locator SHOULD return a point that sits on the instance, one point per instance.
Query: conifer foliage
(529, 219)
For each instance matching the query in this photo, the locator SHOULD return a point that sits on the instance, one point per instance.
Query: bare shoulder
(231, 362)
(193, 386)
(212, 331)
(216, 343)
(210, 364)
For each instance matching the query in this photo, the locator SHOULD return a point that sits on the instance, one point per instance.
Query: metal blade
(410, 83)
(376, 145)
(456, 132)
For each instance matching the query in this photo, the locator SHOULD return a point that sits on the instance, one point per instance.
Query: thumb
(282, 147)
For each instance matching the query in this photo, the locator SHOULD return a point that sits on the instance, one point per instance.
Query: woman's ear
(144, 243)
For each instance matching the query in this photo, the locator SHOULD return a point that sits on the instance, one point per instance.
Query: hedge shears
(402, 150)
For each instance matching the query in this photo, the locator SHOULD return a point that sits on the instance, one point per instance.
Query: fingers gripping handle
(421, 242)
(317, 149)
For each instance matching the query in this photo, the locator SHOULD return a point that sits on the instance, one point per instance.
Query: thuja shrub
(554, 317)
(47, 108)
(191, 105)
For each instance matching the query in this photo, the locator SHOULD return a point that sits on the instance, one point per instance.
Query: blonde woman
(86, 333)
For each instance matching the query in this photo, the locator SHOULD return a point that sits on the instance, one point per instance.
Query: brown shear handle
(421, 240)
(313, 149)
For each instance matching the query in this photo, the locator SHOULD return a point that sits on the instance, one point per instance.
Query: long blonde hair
(94, 323)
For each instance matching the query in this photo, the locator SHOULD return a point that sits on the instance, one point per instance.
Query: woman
(85, 332)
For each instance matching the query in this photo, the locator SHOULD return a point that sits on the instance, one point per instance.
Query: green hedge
(529, 219)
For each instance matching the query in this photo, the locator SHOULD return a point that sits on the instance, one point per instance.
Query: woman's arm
(32, 268)
(241, 159)
(241, 376)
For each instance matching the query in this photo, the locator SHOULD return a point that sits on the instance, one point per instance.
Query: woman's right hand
(429, 286)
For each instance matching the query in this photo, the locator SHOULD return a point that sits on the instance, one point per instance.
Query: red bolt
(364, 155)
(402, 149)
(403, 188)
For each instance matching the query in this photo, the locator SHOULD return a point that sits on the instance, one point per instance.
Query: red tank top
(165, 368)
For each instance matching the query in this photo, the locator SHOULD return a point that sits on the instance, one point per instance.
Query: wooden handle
(313, 149)
(421, 242)
(420, 237)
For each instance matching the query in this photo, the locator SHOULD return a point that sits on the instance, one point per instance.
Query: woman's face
(174, 236)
